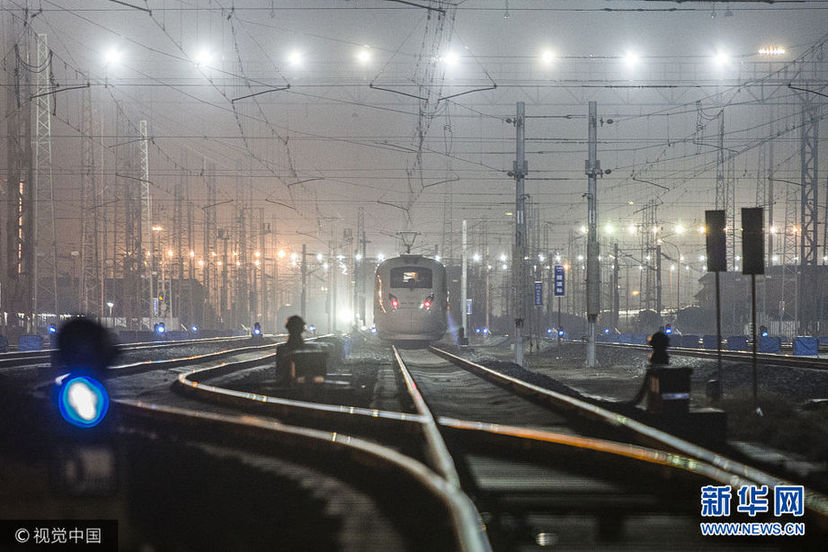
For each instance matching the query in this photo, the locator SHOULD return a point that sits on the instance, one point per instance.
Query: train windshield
(411, 277)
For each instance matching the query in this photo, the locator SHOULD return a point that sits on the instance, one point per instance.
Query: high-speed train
(411, 300)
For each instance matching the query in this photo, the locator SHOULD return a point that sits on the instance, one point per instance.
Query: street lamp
(110, 304)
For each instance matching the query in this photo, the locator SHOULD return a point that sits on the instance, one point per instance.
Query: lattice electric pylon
(45, 296)
(90, 276)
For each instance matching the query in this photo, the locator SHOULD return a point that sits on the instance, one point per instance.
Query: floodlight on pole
(363, 56)
(295, 58)
(203, 58)
(112, 56)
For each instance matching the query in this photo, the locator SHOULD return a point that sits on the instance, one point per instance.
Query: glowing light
(631, 59)
(679, 229)
(238, 263)
(451, 59)
(358, 256)
(773, 229)
(701, 257)
(319, 257)
(476, 257)
(721, 59)
(170, 253)
(192, 253)
(345, 316)
(580, 257)
(113, 56)
(325, 266)
(583, 229)
(437, 258)
(702, 229)
(295, 58)
(157, 228)
(380, 257)
(257, 254)
(631, 228)
(772, 51)
(503, 267)
(83, 401)
(364, 55)
(281, 254)
(257, 262)
(200, 262)
(203, 58)
(609, 229)
(502, 257)
(547, 57)
(655, 229)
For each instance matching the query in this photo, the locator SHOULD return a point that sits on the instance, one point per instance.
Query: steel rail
(394, 423)
(13, 359)
(380, 424)
(436, 448)
(339, 450)
(813, 363)
(345, 418)
(814, 501)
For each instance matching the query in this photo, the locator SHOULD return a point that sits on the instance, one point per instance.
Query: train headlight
(83, 401)
(394, 301)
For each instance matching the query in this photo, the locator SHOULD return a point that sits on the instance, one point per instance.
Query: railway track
(618, 491)
(738, 356)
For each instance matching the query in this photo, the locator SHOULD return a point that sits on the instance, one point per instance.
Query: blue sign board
(559, 281)
(538, 294)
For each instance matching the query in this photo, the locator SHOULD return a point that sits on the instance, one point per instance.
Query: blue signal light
(606, 331)
(83, 401)
(668, 330)
(549, 330)
(160, 328)
(561, 332)
(194, 329)
(764, 334)
(257, 331)
(52, 329)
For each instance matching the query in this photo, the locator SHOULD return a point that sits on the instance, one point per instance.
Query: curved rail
(374, 461)
(389, 426)
(815, 502)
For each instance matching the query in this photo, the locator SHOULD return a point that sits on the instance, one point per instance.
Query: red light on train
(428, 301)
(394, 301)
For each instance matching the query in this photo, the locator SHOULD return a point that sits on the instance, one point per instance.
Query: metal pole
(616, 300)
(464, 293)
(558, 329)
(304, 282)
(753, 332)
(718, 391)
(593, 168)
(520, 169)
